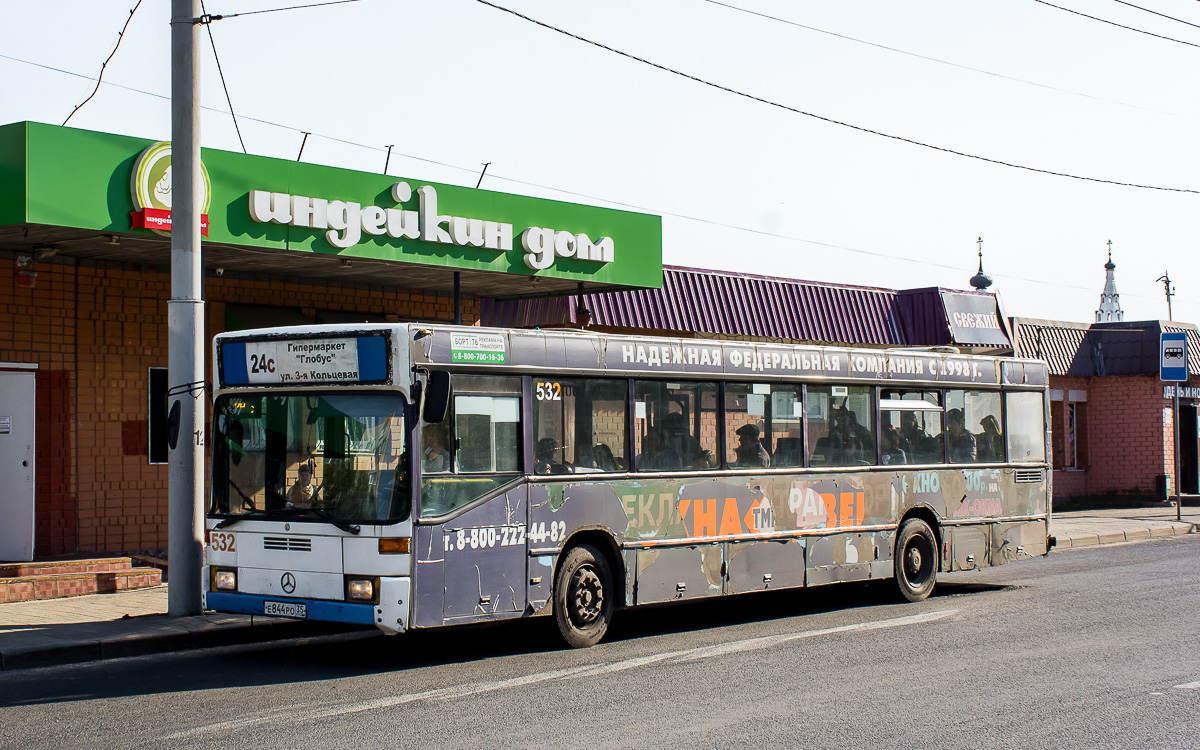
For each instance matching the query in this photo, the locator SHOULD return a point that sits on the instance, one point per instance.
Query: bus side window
(579, 425)
(482, 435)
(973, 426)
(1026, 426)
(841, 418)
(675, 426)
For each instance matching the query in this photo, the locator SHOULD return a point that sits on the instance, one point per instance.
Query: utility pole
(185, 320)
(1166, 280)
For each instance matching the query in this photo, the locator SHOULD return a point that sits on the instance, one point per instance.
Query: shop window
(159, 450)
(1074, 437)
(675, 426)
(841, 420)
(579, 425)
(763, 426)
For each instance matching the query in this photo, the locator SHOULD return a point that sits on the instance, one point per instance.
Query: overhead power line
(829, 120)
(223, 16)
(120, 38)
(945, 62)
(1118, 25)
(221, 72)
(1156, 13)
(585, 196)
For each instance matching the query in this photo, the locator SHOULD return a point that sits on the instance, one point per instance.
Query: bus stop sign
(1173, 359)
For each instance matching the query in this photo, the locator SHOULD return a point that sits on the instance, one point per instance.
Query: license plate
(285, 609)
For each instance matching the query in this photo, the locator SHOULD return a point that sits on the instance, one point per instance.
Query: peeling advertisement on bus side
(694, 537)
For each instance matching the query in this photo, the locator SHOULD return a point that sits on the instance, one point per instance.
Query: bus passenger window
(1026, 426)
(912, 427)
(477, 449)
(675, 426)
(763, 426)
(579, 425)
(973, 426)
(840, 421)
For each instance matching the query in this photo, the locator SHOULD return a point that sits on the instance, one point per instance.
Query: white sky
(741, 185)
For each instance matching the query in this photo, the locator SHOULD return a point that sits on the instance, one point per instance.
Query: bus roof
(568, 351)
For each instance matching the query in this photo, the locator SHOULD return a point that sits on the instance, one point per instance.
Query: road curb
(181, 639)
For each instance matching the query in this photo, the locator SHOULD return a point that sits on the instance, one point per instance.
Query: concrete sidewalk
(130, 623)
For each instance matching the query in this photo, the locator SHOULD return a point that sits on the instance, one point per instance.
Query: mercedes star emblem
(288, 581)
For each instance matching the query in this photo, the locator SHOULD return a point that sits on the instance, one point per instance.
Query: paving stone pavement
(129, 623)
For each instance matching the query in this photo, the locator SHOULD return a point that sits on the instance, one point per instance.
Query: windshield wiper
(243, 517)
(324, 515)
(346, 526)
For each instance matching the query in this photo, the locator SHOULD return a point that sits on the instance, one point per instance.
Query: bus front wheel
(916, 560)
(583, 596)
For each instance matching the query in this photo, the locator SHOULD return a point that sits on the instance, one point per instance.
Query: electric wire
(593, 198)
(589, 197)
(99, 78)
(830, 120)
(1113, 23)
(947, 62)
(221, 72)
(224, 16)
(1161, 15)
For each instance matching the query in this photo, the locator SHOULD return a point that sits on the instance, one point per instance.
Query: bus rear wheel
(916, 560)
(583, 596)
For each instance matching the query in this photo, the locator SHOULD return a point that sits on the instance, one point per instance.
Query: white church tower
(1110, 302)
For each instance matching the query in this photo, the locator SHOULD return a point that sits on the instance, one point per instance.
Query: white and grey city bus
(416, 476)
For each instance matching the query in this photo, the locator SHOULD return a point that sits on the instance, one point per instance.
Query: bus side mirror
(437, 397)
(174, 417)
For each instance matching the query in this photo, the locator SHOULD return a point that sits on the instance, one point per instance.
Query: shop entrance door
(1189, 451)
(17, 391)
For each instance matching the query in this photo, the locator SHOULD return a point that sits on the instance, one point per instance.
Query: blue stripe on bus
(317, 609)
(372, 358)
(233, 363)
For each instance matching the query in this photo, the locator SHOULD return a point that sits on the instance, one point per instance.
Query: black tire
(583, 596)
(917, 560)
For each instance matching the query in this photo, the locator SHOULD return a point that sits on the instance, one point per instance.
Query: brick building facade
(1112, 422)
(95, 330)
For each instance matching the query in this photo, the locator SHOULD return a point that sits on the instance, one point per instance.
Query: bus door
(485, 558)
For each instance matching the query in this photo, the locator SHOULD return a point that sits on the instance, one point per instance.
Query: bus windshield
(311, 456)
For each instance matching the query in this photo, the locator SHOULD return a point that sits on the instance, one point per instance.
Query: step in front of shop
(26, 582)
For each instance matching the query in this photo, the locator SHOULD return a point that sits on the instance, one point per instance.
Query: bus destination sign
(308, 361)
(311, 360)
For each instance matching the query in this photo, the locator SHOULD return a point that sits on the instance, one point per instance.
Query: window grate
(1027, 476)
(287, 543)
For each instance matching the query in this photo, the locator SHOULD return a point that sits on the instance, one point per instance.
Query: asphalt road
(1096, 647)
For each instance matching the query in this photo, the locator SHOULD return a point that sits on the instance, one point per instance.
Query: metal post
(457, 300)
(185, 319)
(1175, 426)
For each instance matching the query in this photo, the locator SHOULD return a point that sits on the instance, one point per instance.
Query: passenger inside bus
(962, 443)
(547, 458)
(603, 458)
(990, 441)
(434, 456)
(893, 453)
(750, 452)
(303, 493)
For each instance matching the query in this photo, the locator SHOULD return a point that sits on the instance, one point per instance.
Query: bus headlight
(360, 589)
(224, 579)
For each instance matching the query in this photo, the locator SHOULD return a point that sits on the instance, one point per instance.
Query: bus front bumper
(291, 608)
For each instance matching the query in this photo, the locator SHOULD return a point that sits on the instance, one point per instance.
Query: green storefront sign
(57, 176)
